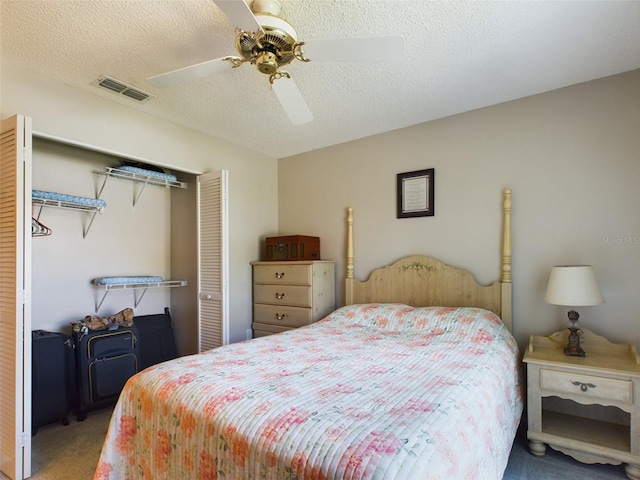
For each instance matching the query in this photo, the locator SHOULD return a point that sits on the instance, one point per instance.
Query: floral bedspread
(375, 391)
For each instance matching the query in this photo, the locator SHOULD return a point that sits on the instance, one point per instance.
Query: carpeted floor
(71, 453)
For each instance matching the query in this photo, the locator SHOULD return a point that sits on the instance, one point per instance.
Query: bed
(416, 377)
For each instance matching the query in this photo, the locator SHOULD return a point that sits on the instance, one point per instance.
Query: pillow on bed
(447, 321)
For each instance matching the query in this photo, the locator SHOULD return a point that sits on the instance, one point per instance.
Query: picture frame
(415, 193)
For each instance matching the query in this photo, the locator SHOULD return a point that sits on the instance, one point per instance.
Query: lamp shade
(573, 285)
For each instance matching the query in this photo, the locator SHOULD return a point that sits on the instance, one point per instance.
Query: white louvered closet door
(15, 292)
(213, 253)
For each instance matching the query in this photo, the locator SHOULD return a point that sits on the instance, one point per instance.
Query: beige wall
(59, 110)
(572, 159)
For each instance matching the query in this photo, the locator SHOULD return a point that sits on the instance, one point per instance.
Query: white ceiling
(460, 55)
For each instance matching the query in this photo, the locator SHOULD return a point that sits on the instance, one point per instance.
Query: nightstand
(586, 407)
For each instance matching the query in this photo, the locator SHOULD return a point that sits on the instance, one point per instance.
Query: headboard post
(349, 279)
(506, 295)
(424, 281)
(506, 240)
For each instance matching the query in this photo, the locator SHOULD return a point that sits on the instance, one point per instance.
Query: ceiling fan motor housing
(271, 50)
(267, 63)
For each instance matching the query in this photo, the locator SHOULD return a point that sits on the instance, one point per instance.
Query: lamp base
(573, 348)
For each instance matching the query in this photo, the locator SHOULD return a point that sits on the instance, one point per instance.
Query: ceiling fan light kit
(270, 42)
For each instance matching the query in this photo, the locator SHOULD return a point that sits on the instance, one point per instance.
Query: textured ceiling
(460, 55)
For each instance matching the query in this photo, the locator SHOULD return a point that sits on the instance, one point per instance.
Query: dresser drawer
(299, 296)
(279, 274)
(284, 316)
(261, 330)
(587, 386)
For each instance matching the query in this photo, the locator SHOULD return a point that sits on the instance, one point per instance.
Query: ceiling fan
(267, 41)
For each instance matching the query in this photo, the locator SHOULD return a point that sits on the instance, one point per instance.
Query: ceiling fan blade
(192, 72)
(387, 49)
(292, 100)
(239, 13)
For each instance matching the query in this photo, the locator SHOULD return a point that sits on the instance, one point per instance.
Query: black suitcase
(105, 360)
(51, 378)
(157, 340)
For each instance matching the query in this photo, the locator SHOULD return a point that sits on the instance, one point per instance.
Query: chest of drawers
(291, 294)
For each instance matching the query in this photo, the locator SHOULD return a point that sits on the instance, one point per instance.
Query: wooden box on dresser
(291, 294)
(586, 407)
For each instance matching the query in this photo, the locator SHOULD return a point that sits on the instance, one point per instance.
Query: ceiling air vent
(122, 88)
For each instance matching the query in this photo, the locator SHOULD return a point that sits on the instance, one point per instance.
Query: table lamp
(573, 286)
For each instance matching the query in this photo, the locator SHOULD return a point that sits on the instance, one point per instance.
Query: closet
(141, 226)
(106, 253)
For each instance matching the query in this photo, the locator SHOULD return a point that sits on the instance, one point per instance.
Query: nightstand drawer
(294, 295)
(282, 315)
(589, 386)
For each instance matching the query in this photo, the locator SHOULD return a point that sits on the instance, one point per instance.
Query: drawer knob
(584, 386)
(280, 316)
(279, 296)
(279, 275)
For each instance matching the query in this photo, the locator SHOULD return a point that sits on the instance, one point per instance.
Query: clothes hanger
(39, 229)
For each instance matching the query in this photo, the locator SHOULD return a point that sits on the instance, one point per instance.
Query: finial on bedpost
(506, 241)
(349, 242)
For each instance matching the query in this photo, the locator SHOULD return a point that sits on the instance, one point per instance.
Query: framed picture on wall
(415, 193)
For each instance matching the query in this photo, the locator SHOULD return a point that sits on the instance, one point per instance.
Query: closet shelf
(69, 202)
(140, 285)
(137, 286)
(138, 175)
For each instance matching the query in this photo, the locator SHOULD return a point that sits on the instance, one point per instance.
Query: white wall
(120, 241)
(59, 110)
(572, 159)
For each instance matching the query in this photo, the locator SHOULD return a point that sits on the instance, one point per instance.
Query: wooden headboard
(424, 281)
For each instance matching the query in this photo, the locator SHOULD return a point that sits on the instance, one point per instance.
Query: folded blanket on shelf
(62, 197)
(126, 280)
(148, 173)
